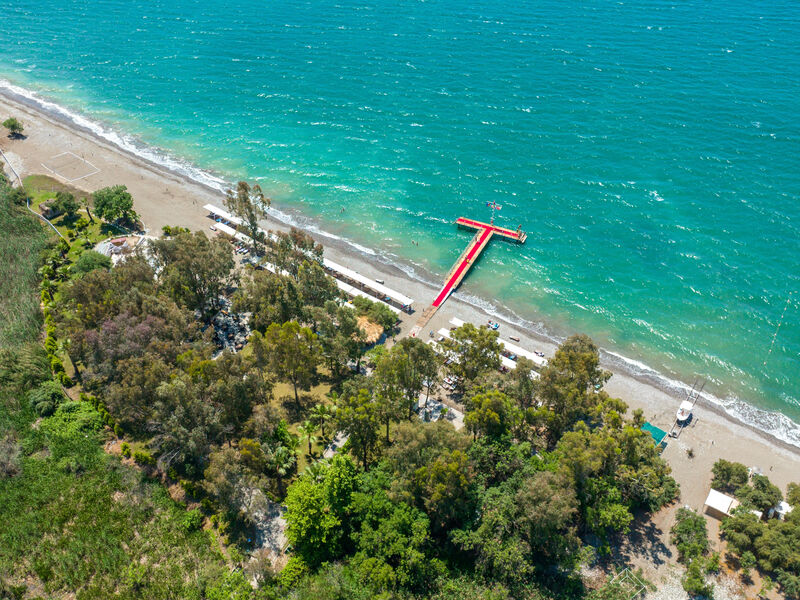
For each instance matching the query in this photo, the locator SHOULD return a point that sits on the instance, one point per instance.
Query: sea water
(651, 150)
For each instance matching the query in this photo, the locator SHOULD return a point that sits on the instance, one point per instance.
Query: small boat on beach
(684, 412)
(379, 281)
(513, 338)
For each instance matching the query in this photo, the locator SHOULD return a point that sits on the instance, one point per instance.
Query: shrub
(694, 582)
(142, 457)
(89, 260)
(293, 572)
(46, 398)
(125, 449)
(192, 520)
(56, 366)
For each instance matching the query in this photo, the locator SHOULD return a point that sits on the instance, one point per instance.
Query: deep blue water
(649, 149)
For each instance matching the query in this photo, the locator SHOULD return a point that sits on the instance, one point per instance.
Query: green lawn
(42, 188)
(22, 238)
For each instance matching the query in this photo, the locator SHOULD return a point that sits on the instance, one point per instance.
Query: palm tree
(306, 431)
(322, 414)
(48, 286)
(283, 461)
(317, 469)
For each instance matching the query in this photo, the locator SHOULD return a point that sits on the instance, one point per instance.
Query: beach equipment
(659, 435)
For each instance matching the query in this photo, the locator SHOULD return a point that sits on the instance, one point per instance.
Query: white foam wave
(770, 422)
(773, 423)
(125, 142)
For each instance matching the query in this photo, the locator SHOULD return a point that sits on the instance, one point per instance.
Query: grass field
(22, 238)
(42, 188)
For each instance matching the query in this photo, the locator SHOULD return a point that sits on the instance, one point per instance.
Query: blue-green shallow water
(650, 150)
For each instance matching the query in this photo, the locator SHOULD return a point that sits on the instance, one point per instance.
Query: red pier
(484, 233)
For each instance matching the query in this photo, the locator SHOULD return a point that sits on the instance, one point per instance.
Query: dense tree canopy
(114, 203)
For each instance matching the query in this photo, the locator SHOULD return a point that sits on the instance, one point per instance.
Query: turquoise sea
(650, 149)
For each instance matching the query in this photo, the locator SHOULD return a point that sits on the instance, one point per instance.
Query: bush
(125, 449)
(694, 582)
(142, 457)
(46, 398)
(89, 260)
(192, 520)
(293, 572)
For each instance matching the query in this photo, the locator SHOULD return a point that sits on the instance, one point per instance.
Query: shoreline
(169, 194)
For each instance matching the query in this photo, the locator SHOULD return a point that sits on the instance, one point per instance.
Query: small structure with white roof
(719, 505)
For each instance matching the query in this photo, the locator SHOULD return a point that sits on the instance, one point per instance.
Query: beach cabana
(719, 505)
(659, 435)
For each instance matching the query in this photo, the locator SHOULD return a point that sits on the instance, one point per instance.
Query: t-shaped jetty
(484, 233)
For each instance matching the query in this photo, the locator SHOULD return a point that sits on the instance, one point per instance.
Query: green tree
(391, 550)
(358, 417)
(249, 204)
(317, 512)
(114, 203)
(689, 535)
(729, 476)
(195, 269)
(492, 414)
(89, 260)
(444, 491)
(475, 351)
(234, 484)
(293, 353)
(762, 494)
(67, 204)
(14, 127)
(568, 386)
(793, 495)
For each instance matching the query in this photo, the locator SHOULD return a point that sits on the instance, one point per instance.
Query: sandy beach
(168, 198)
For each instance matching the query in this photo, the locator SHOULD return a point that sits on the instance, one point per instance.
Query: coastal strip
(171, 197)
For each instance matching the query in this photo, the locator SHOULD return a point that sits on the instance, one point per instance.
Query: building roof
(719, 501)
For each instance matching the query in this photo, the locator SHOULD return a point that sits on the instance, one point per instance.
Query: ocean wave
(123, 141)
(773, 423)
(770, 422)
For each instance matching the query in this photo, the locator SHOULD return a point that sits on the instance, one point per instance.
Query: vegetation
(772, 546)
(23, 240)
(690, 536)
(115, 204)
(509, 507)
(75, 519)
(14, 126)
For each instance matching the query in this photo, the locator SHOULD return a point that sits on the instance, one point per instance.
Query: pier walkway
(465, 261)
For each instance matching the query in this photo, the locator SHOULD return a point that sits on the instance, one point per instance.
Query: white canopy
(370, 283)
(538, 360)
(455, 322)
(720, 502)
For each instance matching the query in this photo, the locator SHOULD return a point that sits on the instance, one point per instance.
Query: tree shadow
(643, 541)
(296, 411)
